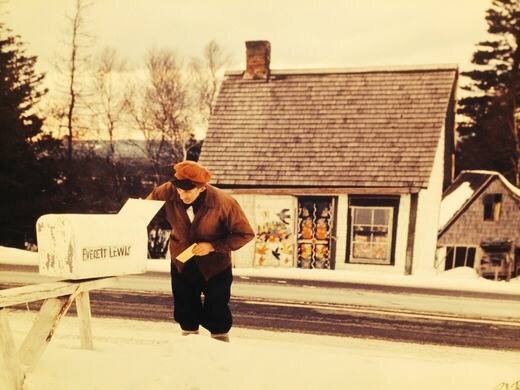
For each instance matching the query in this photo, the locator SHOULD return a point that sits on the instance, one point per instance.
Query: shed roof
(338, 128)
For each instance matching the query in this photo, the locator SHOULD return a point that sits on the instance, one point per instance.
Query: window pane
(380, 251)
(449, 258)
(488, 211)
(361, 231)
(380, 232)
(381, 217)
(470, 260)
(362, 216)
(460, 256)
(362, 250)
(361, 237)
(380, 237)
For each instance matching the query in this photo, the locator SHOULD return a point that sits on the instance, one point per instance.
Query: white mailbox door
(275, 224)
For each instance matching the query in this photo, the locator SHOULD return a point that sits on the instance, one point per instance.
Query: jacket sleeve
(240, 231)
(159, 193)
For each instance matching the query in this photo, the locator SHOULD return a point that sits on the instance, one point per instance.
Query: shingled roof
(334, 128)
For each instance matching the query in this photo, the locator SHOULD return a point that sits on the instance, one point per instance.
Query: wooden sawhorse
(57, 296)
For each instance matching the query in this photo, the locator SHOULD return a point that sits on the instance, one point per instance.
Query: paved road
(321, 318)
(472, 305)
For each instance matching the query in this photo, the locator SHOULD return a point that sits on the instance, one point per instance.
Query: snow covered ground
(152, 355)
(140, 355)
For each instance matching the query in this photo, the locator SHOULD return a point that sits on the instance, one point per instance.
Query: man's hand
(202, 249)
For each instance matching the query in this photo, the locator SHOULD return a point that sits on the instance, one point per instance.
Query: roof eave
(368, 69)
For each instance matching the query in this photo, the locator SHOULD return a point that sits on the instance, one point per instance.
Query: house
(336, 168)
(479, 225)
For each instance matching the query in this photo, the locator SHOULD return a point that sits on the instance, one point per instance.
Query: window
(371, 232)
(372, 225)
(492, 206)
(459, 256)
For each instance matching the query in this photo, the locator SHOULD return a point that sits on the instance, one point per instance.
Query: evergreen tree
(26, 166)
(489, 132)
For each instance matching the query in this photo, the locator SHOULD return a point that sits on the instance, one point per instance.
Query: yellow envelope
(186, 254)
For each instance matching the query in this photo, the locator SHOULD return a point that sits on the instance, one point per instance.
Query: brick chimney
(258, 57)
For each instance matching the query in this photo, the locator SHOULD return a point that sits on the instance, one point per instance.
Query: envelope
(187, 254)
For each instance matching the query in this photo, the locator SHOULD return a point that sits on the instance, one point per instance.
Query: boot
(220, 337)
(188, 332)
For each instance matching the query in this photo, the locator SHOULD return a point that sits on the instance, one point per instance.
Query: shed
(479, 225)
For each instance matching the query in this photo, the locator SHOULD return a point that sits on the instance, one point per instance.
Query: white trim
(341, 231)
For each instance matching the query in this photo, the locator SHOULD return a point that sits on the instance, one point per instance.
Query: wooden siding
(470, 227)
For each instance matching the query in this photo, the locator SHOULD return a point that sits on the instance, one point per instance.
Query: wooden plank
(85, 323)
(94, 284)
(412, 221)
(36, 292)
(11, 375)
(43, 329)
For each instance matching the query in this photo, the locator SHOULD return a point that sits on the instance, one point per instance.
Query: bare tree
(206, 77)
(72, 67)
(107, 99)
(108, 96)
(160, 110)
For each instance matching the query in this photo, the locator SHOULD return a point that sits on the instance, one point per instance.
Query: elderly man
(211, 219)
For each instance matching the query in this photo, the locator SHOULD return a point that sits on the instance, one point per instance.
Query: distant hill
(128, 149)
(125, 149)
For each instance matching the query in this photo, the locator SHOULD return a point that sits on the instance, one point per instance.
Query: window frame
(453, 256)
(492, 203)
(390, 203)
(372, 225)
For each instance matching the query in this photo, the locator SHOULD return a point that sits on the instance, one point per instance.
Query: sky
(303, 33)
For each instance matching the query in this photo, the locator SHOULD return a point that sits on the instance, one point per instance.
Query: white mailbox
(82, 246)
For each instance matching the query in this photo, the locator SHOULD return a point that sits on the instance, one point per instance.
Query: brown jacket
(219, 220)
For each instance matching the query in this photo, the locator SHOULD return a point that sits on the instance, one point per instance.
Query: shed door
(274, 218)
(315, 232)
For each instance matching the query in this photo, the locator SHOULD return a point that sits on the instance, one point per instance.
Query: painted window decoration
(274, 245)
(459, 256)
(371, 234)
(315, 225)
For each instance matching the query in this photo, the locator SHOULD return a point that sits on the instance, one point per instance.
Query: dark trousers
(189, 310)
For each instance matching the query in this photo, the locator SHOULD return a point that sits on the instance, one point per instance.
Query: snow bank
(152, 355)
(466, 273)
(17, 256)
(453, 202)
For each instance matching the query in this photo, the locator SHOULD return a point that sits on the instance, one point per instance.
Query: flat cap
(189, 174)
